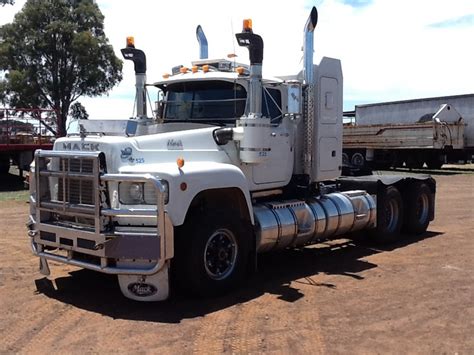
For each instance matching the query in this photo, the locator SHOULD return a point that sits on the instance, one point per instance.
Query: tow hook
(32, 233)
(99, 246)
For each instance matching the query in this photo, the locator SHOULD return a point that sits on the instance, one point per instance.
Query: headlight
(131, 193)
(136, 192)
(140, 193)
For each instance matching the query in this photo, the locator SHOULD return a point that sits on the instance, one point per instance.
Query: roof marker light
(130, 42)
(205, 68)
(240, 70)
(194, 69)
(247, 26)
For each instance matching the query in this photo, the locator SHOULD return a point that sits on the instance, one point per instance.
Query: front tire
(212, 254)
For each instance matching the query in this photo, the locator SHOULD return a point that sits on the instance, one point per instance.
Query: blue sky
(465, 21)
(390, 50)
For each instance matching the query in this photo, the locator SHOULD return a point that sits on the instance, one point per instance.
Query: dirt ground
(414, 297)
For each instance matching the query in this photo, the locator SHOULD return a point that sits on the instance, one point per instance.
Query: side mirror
(159, 108)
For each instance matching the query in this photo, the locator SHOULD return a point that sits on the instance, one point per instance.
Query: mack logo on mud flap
(142, 289)
(92, 147)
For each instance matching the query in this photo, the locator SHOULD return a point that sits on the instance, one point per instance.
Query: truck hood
(150, 151)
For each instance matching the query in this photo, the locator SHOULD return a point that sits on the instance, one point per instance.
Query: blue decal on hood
(126, 153)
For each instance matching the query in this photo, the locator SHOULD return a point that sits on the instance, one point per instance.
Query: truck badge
(141, 289)
(92, 147)
(174, 144)
(126, 153)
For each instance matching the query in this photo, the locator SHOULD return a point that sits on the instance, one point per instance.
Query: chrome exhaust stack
(308, 74)
(253, 130)
(202, 40)
(308, 46)
(139, 60)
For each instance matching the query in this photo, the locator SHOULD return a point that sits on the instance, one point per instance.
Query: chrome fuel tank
(295, 223)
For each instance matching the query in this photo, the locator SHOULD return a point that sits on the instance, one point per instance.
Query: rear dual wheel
(418, 201)
(410, 214)
(389, 216)
(358, 160)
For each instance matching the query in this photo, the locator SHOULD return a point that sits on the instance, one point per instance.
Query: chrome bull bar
(97, 240)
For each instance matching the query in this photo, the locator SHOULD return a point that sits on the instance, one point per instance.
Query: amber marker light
(180, 162)
(205, 68)
(166, 76)
(194, 69)
(131, 41)
(240, 70)
(183, 70)
(247, 24)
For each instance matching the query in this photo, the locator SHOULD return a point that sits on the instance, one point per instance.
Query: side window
(271, 105)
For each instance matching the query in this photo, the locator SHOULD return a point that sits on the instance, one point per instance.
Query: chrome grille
(76, 191)
(76, 165)
(69, 189)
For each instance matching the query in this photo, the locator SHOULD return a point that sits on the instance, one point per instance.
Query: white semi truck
(233, 165)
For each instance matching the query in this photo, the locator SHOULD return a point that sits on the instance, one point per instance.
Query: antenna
(233, 36)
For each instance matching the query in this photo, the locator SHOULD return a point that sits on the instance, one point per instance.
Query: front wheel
(212, 254)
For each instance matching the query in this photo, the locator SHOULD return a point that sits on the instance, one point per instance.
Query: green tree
(54, 52)
(78, 112)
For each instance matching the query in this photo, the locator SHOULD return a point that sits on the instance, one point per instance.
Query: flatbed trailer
(385, 145)
(21, 134)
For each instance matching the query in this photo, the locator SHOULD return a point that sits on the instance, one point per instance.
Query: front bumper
(99, 246)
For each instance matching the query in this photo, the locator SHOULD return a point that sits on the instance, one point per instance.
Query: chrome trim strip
(255, 149)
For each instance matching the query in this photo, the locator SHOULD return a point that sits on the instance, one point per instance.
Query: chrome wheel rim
(220, 254)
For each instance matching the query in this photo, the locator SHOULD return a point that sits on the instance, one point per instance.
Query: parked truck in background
(411, 133)
(234, 165)
(22, 131)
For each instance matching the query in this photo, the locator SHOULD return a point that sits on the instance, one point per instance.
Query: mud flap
(145, 288)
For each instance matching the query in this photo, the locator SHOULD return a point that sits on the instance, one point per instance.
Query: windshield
(216, 101)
